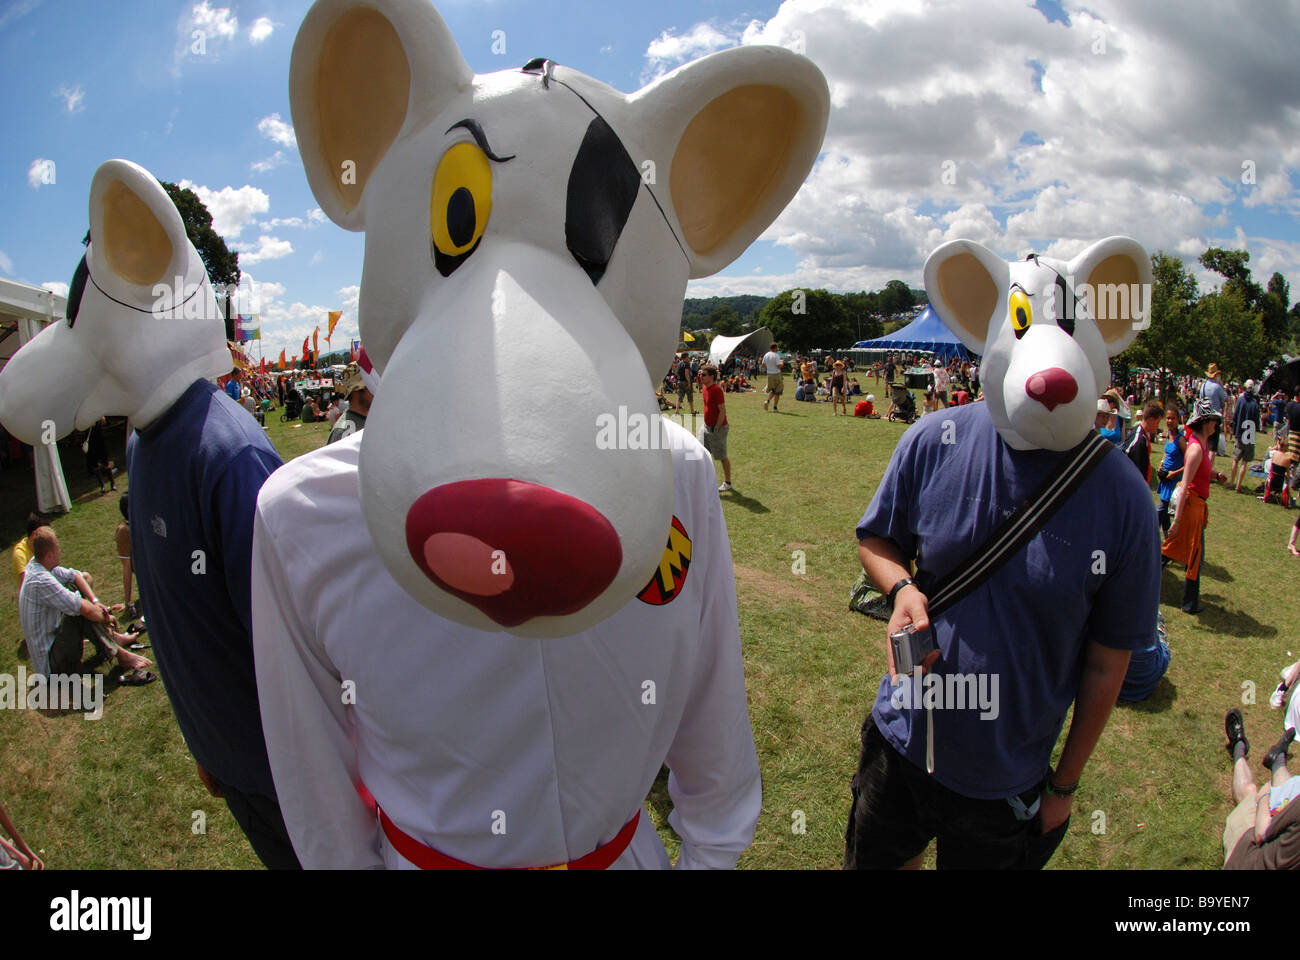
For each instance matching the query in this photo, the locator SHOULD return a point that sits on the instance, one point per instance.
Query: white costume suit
(455, 730)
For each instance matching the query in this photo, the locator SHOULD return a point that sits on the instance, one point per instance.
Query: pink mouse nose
(514, 550)
(1052, 387)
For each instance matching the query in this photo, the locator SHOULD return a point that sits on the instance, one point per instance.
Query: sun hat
(1203, 411)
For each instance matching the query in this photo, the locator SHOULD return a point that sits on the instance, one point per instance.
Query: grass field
(121, 791)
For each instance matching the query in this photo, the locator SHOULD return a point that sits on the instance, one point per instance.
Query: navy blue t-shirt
(194, 479)
(1091, 573)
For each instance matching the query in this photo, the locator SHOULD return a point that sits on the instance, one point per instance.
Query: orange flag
(282, 360)
(334, 319)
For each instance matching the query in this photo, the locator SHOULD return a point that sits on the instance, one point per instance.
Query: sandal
(137, 678)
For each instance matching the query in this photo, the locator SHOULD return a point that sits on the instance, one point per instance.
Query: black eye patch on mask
(76, 289)
(603, 185)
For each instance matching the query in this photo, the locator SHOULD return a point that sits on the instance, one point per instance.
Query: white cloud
(56, 287)
(6, 264)
(232, 208)
(73, 97)
(275, 129)
(981, 119)
(316, 215)
(260, 30)
(284, 325)
(275, 222)
(17, 10)
(40, 172)
(670, 48)
(201, 31)
(266, 248)
(317, 257)
(268, 163)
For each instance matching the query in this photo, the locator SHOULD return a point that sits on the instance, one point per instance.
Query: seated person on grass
(1276, 470)
(1263, 830)
(57, 620)
(15, 854)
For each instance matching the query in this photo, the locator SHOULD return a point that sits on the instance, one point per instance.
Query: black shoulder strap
(1019, 528)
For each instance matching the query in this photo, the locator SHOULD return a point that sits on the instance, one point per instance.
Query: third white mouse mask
(1046, 329)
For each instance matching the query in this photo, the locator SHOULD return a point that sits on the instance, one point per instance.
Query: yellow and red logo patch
(667, 582)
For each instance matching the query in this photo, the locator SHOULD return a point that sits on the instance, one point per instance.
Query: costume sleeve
(230, 520)
(714, 780)
(1124, 608)
(308, 728)
(889, 515)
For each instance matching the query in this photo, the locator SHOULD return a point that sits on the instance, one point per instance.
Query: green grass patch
(121, 792)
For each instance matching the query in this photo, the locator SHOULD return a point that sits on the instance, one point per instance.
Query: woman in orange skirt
(1186, 540)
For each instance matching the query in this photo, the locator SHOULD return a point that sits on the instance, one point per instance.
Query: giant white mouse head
(529, 236)
(142, 320)
(1046, 329)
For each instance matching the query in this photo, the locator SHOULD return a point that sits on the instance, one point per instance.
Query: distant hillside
(695, 312)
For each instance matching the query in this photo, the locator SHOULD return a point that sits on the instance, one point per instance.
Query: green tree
(1173, 341)
(895, 298)
(1233, 334)
(863, 313)
(803, 320)
(724, 321)
(222, 265)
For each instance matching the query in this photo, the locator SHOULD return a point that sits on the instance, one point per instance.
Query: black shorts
(898, 809)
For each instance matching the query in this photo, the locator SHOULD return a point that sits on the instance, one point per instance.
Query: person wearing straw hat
(1186, 540)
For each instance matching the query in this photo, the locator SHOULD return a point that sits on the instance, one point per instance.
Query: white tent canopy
(722, 348)
(24, 312)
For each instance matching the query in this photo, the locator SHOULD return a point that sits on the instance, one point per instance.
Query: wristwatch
(899, 586)
(1051, 788)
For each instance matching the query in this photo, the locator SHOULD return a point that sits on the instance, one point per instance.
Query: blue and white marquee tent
(926, 333)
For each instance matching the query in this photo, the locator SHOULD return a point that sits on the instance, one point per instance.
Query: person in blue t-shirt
(1054, 627)
(195, 474)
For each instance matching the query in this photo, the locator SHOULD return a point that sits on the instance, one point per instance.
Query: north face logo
(159, 525)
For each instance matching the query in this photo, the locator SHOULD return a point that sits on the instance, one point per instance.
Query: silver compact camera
(911, 647)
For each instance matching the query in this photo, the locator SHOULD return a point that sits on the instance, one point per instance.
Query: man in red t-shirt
(715, 422)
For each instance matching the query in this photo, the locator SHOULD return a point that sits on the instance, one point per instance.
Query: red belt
(427, 858)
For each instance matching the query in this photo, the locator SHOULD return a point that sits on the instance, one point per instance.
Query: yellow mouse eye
(1022, 314)
(461, 204)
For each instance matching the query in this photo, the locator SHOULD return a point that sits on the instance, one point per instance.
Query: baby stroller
(292, 409)
(904, 406)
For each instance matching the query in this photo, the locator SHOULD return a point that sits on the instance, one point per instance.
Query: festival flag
(353, 352)
(264, 364)
(687, 338)
(247, 328)
(282, 360)
(305, 348)
(334, 319)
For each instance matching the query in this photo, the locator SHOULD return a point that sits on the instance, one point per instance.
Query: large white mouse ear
(136, 233)
(736, 133)
(362, 72)
(1116, 275)
(967, 285)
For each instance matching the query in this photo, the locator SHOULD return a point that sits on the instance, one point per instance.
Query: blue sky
(1050, 142)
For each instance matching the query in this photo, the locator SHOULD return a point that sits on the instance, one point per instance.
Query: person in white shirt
(773, 364)
(940, 386)
(486, 748)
